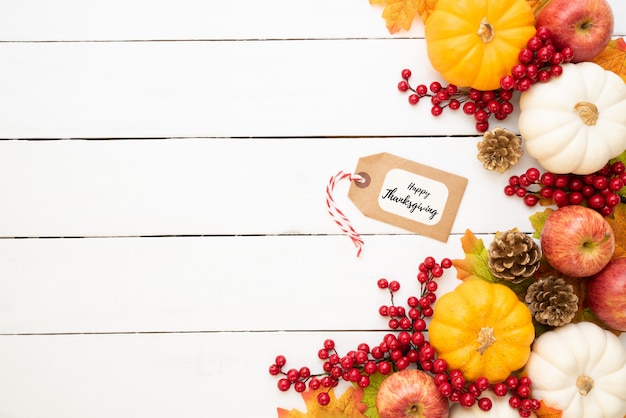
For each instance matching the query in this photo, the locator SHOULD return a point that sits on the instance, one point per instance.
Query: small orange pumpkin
(474, 43)
(483, 329)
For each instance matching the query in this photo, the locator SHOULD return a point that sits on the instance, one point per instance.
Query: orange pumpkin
(483, 329)
(474, 43)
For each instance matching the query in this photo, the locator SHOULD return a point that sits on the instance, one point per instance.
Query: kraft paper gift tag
(407, 194)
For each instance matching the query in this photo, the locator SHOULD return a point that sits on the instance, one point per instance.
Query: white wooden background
(162, 215)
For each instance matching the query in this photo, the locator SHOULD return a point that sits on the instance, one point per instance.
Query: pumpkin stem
(584, 384)
(485, 339)
(588, 112)
(486, 31)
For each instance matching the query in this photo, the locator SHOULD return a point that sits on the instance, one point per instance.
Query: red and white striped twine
(337, 215)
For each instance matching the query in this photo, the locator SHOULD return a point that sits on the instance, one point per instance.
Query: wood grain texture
(222, 186)
(163, 230)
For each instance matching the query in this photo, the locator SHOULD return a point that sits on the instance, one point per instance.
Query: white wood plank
(223, 186)
(157, 375)
(217, 89)
(72, 20)
(207, 283)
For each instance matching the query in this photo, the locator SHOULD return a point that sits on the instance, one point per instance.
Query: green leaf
(538, 219)
(369, 395)
(476, 261)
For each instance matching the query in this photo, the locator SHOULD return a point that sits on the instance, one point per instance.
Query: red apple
(410, 393)
(606, 294)
(577, 241)
(584, 25)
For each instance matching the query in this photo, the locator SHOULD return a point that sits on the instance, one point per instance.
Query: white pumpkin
(500, 408)
(580, 369)
(576, 122)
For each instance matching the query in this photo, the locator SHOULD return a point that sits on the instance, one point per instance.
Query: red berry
(521, 191)
(556, 71)
(382, 283)
(575, 198)
(618, 167)
(547, 179)
(323, 398)
(274, 370)
(469, 108)
(525, 56)
(421, 89)
(445, 389)
(283, 384)
(543, 33)
(394, 286)
(612, 200)
(454, 104)
(512, 382)
(531, 200)
(532, 174)
(414, 99)
(403, 86)
(500, 389)
(485, 404)
(329, 344)
(507, 83)
(436, 110)
(518, 71)
(467, 400)
(446, 263)
(280, 360)
(406, 74)
(435, 86)
(534, 43)
(384, 367)
(596, 201)
(482, 383)
(515, 402)
(568, 54)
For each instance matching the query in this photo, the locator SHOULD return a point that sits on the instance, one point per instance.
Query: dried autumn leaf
(613, 57)
(399, 14)
(545, 411)
(475, 264)
(538, 219)
(347, 406)
(618, 223)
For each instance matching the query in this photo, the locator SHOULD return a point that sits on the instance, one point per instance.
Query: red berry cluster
(539, 61)
(454, 386)
(480, 104)
(393, 353)
(398, 351)
(598, 191)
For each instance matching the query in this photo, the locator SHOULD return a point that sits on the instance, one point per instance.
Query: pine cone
(552, 301)
(513, 256)
(499, 149)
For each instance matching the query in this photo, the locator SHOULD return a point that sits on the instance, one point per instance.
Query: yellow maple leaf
(348, 405)
(613, 57)
(399, 14)
(618, 223)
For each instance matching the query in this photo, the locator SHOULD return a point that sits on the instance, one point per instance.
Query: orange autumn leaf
(546, 412)
(348, 405)
(618, 223)
(475, 263)
(399, 14)
(613, 57)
